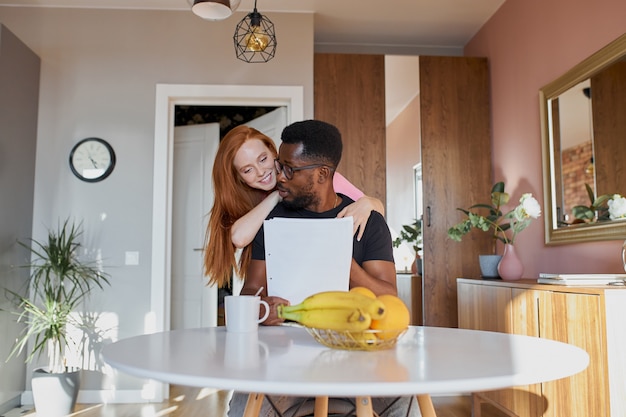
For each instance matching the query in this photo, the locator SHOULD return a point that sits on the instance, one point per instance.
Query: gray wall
(19, 95)
(99, 69)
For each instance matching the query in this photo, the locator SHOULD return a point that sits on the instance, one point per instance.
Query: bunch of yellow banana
(335, 310)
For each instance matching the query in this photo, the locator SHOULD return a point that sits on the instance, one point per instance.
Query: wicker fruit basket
(362, 340)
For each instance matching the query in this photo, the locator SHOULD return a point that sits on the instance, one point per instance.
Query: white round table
(286, 360)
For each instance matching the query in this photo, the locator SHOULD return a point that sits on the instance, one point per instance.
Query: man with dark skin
(307, 159)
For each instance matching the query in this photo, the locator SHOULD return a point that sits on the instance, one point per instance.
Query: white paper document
(307, 256)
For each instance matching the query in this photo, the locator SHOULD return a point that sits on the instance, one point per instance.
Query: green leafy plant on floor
(59, 282)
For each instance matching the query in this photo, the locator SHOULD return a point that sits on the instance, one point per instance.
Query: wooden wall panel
(350, 93)
(456, 170)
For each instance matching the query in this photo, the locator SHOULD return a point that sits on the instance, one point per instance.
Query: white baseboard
(99, 397)
(9, 405)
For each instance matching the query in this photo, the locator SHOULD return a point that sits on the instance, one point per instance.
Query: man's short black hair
(320, 141)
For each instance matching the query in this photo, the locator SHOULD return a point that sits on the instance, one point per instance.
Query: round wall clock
(92, 159)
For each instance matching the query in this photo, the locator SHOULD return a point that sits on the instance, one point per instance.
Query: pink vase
(510, 267)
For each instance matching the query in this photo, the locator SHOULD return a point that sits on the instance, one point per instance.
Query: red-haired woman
(244, 182)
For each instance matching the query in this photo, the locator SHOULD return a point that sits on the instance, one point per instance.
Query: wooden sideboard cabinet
(592, 318)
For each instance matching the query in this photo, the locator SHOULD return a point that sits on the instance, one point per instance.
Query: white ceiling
(392, 27)
(410, 26)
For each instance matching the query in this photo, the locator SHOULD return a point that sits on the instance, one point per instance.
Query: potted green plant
(489, 218)
(59, 282)
(412, 234)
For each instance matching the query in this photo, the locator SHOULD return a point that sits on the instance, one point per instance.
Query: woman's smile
(269, 178)
(255, 164)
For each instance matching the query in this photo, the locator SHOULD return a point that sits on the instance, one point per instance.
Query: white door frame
(167, 97)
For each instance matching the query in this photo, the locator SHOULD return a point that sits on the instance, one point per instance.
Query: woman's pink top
(343, 186)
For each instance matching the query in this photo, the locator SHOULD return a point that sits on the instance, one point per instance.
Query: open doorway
(168, 96)
(198, 130)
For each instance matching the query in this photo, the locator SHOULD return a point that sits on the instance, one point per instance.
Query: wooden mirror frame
(608, 230)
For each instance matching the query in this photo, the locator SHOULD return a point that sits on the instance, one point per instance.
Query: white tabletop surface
(287, 360)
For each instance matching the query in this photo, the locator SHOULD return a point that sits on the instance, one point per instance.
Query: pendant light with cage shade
(214, 9)
(255, 38)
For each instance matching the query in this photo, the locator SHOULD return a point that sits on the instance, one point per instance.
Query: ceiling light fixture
(255, 39)
(214, 9)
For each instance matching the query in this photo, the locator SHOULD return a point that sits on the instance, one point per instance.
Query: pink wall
(403, 148)
(530, 43)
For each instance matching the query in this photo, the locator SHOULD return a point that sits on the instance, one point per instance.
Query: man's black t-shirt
(375, 245)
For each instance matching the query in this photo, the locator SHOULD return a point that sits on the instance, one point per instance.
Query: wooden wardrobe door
(456, 172)
(349, 92)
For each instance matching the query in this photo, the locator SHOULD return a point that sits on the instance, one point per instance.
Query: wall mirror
(584, 144)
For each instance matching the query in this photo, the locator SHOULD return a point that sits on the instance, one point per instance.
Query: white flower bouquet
(617, 207)
(522, 215)
(493, 219)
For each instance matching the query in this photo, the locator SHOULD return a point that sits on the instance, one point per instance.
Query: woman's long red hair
(233, 198)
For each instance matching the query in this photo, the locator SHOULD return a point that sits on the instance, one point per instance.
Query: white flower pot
(55, 395)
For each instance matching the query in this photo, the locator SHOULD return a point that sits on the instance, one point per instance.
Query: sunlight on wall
(149, 323)
(87, 334)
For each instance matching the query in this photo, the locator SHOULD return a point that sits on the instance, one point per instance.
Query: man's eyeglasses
(289, 170)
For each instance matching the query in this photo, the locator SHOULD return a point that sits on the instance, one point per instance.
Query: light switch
(132, 258)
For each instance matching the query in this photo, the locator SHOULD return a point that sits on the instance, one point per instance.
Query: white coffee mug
(242, 313)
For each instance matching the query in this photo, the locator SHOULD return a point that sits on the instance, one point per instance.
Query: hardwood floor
(196, 402)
